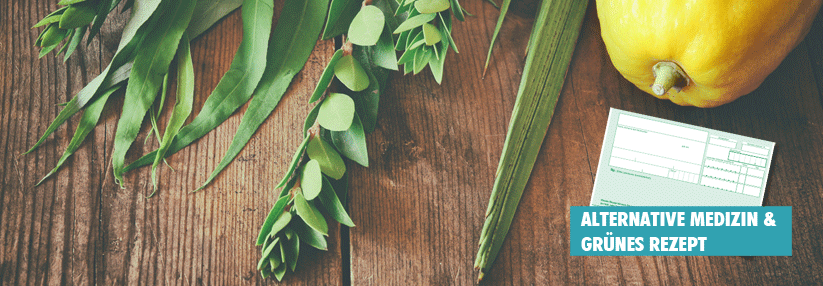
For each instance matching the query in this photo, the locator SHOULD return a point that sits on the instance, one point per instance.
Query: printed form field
(689, 155)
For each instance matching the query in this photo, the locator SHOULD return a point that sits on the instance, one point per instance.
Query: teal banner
(680, 231)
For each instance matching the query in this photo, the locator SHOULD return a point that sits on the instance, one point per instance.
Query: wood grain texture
(419, 206)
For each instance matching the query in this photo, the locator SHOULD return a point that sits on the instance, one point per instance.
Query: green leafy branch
(336, 127)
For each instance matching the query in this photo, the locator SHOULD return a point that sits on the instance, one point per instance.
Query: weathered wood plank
(419, 207)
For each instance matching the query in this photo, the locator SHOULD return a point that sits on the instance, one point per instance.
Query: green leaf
(130, 3)
(414, 22)
(289, 233)
(280, 272)
(76, 16)
(436, 65)
(341, 188)
(445, 29)
(421, 59)
(182, 105)
(326, 77)
(273, 216)
(431, 6)
(504, 9)
(458, 11)
(333, 205)
(265, 272)
(52, 17)
(401, 41)
(53, 35)
(294, 162)
(90, 117)
(383, 54)
(209, 12)
(336, 112)
(309, 235)
(351, 73)
(407, 57)
(268, 251)
(150, 65)
(283, 256)
(431, 34)
(75, 41)
(292, 248)
(407, 68)
(120, 66)
(65, 46)
(311, 180)
(300, 24)
(274, 262)
(388, 7)
(555, 33)
(366, 101)
(414, 36)
(237, 84)
(351, 143)
(366, 26)
(103, 9)
(341, 14)
(310, 215)
(280, 223)
(133, 33)
(329, 161)
(48, 20)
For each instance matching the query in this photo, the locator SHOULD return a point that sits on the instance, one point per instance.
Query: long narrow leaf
(87, 122)
(103, 9)
(557, 28)
(74, 42)
(291, 44)
(209, 12)
(504, 9)
(134, 32)
(150, 65)
(182, 104)
(341, 14)
(237, 84)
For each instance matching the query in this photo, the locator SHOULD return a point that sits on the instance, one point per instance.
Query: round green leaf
(431, 6)
(431, 34)
(336, 112)
(330, 161)
(351, 73)
(366, 27)
(311, 181)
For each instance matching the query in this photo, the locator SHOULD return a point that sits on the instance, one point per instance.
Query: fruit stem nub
(668, 75)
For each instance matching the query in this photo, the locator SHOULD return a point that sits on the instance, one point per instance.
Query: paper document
(648, 161)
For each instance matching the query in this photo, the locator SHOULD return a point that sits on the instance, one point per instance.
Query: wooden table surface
(418, 208)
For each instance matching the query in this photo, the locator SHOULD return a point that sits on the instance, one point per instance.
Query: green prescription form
(648, 161)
